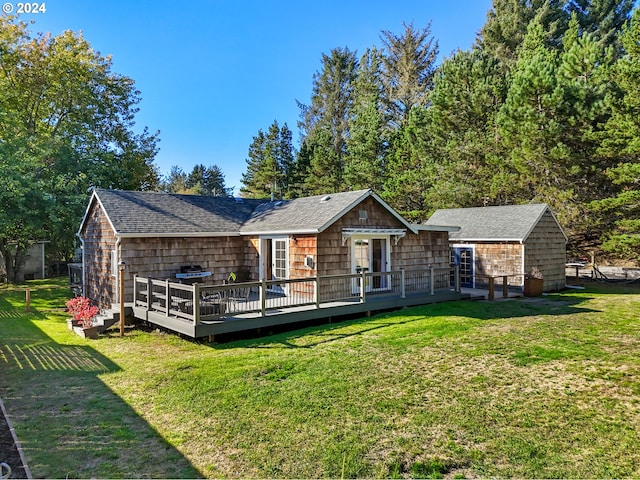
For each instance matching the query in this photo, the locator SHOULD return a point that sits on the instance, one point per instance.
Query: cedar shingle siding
(510, 240)
(158, 233)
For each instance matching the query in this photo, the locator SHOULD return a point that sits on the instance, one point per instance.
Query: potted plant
(533, 283)
(82, 315)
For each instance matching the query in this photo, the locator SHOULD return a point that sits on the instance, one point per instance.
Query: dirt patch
(9, 453)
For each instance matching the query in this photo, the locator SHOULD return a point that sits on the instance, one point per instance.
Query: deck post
(432, 289)
(505, 288)
(491, 289)
(317, 292)
(196, 303)
(149, 293)
(403, 292)
(263, 297)
(363, 288)
(167, 299)
(135, 288)
(457, 278)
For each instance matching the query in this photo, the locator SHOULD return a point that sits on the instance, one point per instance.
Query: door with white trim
(370, 254)
(275, 261)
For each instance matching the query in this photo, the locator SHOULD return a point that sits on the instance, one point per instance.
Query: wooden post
(121, 267)
(431, 282)
(27, 299)
(263, 297)
(403, 291)
(196, 303)
(167, 298)
(317, 292)
(149, 293)
(491, 287)
(363, 288)
(505, 287)
(456, 277)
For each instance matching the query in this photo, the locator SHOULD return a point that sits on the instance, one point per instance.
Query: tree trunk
(15, 259)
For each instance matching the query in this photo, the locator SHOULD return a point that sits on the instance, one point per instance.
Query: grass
(543, 387)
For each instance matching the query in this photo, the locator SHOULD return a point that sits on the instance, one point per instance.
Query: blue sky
(213, 73)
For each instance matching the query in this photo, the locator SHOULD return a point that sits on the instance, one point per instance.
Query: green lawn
(543, 387)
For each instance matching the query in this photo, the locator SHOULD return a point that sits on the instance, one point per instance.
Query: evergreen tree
(367, 140)
(604, 19)
(464, 167)
(620, 212)
(207, 181)
(175, 182)
(507, 23)
(405, 186)
(409, 66)
(325, 122)
(270, 163)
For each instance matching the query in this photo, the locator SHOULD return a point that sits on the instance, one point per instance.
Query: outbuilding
(511, 240)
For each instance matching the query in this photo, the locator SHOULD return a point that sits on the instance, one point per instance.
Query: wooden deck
(208, 310)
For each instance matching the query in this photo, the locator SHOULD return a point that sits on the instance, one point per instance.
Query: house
(506, 240)
(164, 236)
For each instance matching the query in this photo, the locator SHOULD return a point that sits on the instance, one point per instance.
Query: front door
(371, 255)
(463, 258)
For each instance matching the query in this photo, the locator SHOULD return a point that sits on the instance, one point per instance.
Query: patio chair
(237, 296)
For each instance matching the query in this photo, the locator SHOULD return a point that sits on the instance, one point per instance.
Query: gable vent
(363, 215)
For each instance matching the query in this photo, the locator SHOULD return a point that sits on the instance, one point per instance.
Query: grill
(191, 271)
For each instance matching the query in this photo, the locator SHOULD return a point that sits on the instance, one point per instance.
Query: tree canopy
(542, 108)
(67, 124)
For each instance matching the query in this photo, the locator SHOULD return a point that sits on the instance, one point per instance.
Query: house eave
(435, 228)
(253, 233)
(492, 240)
(176, 234)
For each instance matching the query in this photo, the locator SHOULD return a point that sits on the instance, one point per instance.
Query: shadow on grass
(70, 424)
(456, 311)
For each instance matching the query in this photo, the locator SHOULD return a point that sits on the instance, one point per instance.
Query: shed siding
(99, 241)
(546, 249)
(499, 258)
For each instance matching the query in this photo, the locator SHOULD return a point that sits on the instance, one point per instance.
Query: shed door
(463, 258)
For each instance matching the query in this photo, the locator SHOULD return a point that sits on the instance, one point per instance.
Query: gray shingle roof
(510, 222)
(307, 214)
(153, 213)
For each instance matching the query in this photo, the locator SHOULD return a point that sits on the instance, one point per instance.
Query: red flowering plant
(81, 309)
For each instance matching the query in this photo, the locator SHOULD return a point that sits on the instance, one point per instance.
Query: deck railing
(202, 302)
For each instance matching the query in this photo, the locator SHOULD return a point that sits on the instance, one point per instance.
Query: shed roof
(502, 223)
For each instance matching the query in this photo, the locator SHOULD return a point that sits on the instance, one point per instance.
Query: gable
(311, 214)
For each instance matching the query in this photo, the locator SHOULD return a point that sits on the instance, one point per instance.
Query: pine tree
(367, 140)
(620, 212)
(325, 122)
(604, 19)
(464, 165)
(508, 20)
(409, 67)
(269, 164)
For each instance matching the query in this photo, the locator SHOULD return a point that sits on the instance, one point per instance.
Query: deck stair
(111, 317)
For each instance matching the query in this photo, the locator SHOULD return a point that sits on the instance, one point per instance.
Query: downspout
(116, 263)
(84, 273)
(524, 271)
